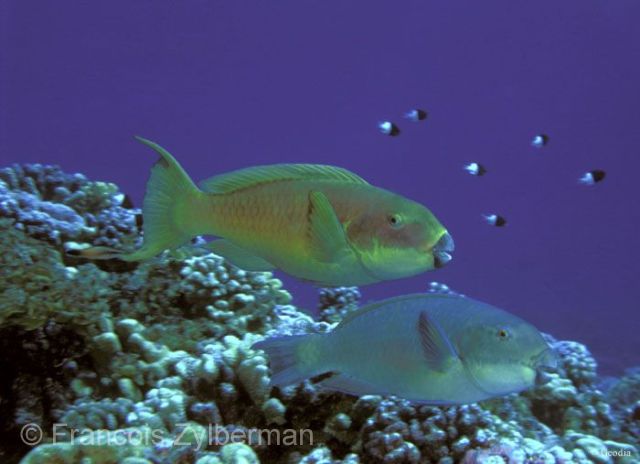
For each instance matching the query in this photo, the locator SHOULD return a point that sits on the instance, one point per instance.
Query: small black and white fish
(443, 289)
(540, 140)
(388, 128)
(475, 169)
(494, 220)
(592, 177)
(416, 115)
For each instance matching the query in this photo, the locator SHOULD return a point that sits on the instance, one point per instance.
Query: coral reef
(56, 207)
(335, 303)
(152, 362)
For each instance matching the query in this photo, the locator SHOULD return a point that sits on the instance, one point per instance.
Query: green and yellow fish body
(294, 225)
(319, 223)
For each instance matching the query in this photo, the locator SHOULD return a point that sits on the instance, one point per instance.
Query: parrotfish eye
(395, 221)
(503, 333)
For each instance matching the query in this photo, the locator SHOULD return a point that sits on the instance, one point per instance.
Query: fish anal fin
(322, 377)
(326, 234)
(239, 256)
(346, 384)
(436, 346)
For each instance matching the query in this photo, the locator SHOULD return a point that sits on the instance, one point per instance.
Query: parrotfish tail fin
(287, 365)
(169, 209)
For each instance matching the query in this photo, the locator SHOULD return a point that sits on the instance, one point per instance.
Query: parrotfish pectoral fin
(326, 235)
(437, 348)
(239, 256)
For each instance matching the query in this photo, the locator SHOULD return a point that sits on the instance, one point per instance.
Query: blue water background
(224, 85)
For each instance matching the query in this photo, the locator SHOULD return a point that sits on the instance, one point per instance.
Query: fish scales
(320, 223)
(263, 215)
(437, 349)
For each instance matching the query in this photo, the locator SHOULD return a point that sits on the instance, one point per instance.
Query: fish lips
(442, 250)
(545, 364)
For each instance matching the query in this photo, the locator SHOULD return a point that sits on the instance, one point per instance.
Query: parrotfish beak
(545, 363)
(442, 250)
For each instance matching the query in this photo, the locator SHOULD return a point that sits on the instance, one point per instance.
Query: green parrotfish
(428, 348)
(319, 223)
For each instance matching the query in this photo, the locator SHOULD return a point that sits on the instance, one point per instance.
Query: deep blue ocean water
(225, 85)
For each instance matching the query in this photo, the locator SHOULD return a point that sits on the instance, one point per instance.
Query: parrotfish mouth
(442, 250)
(545, 363)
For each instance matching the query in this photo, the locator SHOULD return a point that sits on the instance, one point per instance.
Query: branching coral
(335, 303)
(56, 207)
(165, 346)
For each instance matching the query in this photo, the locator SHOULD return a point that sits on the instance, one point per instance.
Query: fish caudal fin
(169, 210)
(168, 207)
(287, 360)
(169, 198)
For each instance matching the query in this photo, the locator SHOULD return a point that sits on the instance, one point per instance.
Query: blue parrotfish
(429, 348)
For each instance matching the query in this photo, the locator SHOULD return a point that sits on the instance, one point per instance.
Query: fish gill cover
(160, 353)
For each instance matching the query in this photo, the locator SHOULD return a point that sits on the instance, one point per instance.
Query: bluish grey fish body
(428, 348)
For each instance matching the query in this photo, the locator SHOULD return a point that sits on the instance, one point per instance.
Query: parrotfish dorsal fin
(250, 177)
(377, 304)
(326, 234)
(436, 346)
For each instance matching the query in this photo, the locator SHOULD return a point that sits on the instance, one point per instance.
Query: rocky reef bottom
(111, 362)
